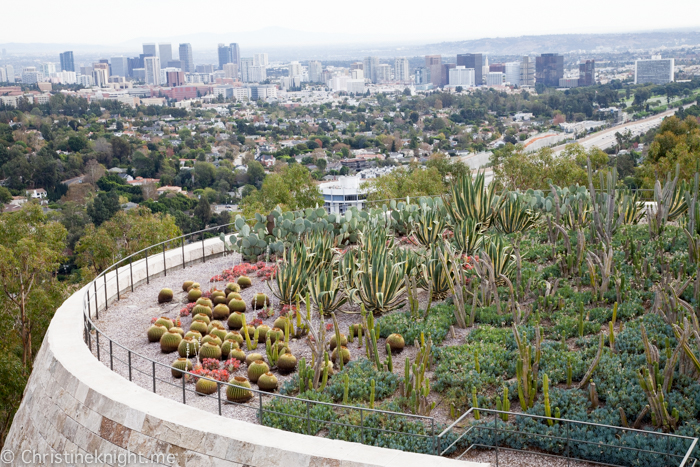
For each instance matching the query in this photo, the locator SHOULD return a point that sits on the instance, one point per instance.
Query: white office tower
(338, 83)
(495, 78)
(383, 73)
(527, 71)
(294, 69)
(30, 75)
(513, 73)
(401, 70)
(356, 86)
(120, 66)
(166, 53)
(48, 68)
(66, 77)
(315, 71)
(357, 74)
(655, 71)
(3, 75)
(246, 65)
(10, 72)
(370, 65)
(152, 67)
(260, 60)
(231, 70)
(462, 76)
(86, 80)
(100, 74)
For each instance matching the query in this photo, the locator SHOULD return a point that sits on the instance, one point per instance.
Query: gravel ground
(127, 321)
(519, 459)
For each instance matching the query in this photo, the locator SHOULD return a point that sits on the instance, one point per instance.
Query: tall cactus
(527, 367)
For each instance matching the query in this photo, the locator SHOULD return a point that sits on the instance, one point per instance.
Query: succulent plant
(236, 392)
(281, 322)
(188, 347)
(195, 285)
(244, 282)
(252, 358)
(221, 312)
(228, 346)
(267, 381)
(257, 369)
(287, 362)
(210, 350)
(328, 365)
(180, 365)
(281, 347)
(205, 386)
(233, 295)
(345, 352)
(343, 341)
(205, 301)
(212, 340)
(199, 326)
(396, 342)
(155, 332)
(220, 333)
(275, 334)
(250, 329)
(237, 305)
(202, 317)
(194, 294)
(262, 332)
(236, 336)
(238, 354)
(170, 341)
(164, 321)
(232, 287)
(165, 295)
(215, 324)
(259, 300)
(202, 310)
(194, 334)
(177, 330)
(218, 297)
(235, 320)
(186, 285)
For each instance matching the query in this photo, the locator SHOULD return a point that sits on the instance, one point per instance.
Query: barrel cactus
(250, 329)
(237, 305)
(177, 330)
(202, 310)
(199, 326)
(170, 341)
(235, 321)
(252, 358)
(188, 347)
(202, 317)
(287, 362)
(281, 323)
(218, 332)
(343, 341)
(155, 332)
(238, 354)
(281, 347)
(396, 342)
(210, 350)
(259, 300)
(232, 287)
(206, 302)
(244, 282)
(345, 352)
(262, 332)
(206, 386)
(180, 365)
(215, 324)
(211, 339)
(194, 335)
(235, 336)
(194, 294)
(257, 369)
(233, 295)
(236, 391)
(221, 312)
(275, 334)
(218, 297)
(165, 295)
(227, 347)
(267, 382)
(164, 321)
(186, 285)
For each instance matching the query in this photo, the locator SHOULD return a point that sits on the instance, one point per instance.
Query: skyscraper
(152, 67)
(186, 58)
(224, 53)
(120, 66)
(527, 71)
(67, 63)
(260, 59)
(461, 76)
(294, 69)
(315, 71)
(475, 61)
(434, 64)
(512, 70)
(235, 53)
(166, 53)
(586, 73)
(149, 50)
(401, 70)
(655, 71)
(370, 68)
(549, 69)
(231, 70)
(100, 74)
(245, 65)
(383, 73)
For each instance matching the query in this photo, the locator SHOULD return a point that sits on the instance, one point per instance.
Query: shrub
(435, 326)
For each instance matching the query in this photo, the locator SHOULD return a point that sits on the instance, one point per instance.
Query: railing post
(154, 376)
(116, 273)
(261, 407)
(129, 356)
(218, 394)
(165, 269)
(97, 343)
(436, 442)
(97, 305)
(495, 418)
(131, 273)
(147, 278)
(308, 417)
(568, 455)
(183, 387)
(88, 302)
(362, 426)
(183, 252)
(204, 257)
(104, 276)
(111, 357)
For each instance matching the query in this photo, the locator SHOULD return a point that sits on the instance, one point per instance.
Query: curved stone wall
(75, 411)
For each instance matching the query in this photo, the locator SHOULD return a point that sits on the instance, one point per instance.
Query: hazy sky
(101, 22)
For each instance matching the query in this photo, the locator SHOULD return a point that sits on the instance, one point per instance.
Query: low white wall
(74, 404)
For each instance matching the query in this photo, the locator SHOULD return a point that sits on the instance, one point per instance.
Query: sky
(123, 21)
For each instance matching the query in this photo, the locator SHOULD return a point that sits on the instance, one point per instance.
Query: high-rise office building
(370, 68)
(100, 74)
(357, 66)
(186, 58)
(383, 73)
(549, 69)
(231, 70)
(445, 73)
(461, 76)
(175, 78)
(294, 69)
(501, 67)
(152, 67)
(401, 70)
(3, 74)
(434, 64)
(224, 53)
(260, 59)
(495, 78)
(527, 71)
(512, 71)
(149, 50)
(205, 68)
(246, 64)
(475, 61)
(422, 76)
(655, 71)
(586, 73)
(120, 66)
(166, 53)
(48, 68)
(30, 75)
(315, 71)
(67, 63)
(10, 71)
(235, 53)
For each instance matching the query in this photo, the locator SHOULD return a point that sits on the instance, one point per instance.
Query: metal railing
(571, 440)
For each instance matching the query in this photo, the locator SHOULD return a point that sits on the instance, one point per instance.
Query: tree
(121, 150)
(103, 207)
(77, 143)
(5, 195)
(93, 172)
(291, 189)
(31, 250)
(256, 173)
(400, 183)
(203, 212)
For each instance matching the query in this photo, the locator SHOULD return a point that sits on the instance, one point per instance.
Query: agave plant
(632, 208)
(292, 274)
(471, 198)
(429, 224)
(326, 292)
(375, 241)
(501, 255)
(577, 213)
(514, 215)
(468, 236)
(379, 284)
(411, 260)
(320, 247)
(435, 274)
